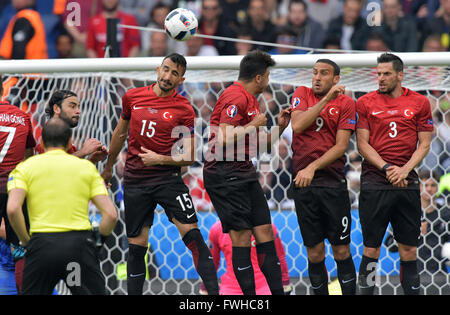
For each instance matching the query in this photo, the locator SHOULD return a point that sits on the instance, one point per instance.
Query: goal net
(100, 84)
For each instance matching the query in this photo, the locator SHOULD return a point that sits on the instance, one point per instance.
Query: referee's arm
(108, 212)
(16, 198)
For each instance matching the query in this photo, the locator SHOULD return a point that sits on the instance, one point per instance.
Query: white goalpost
(100, 84)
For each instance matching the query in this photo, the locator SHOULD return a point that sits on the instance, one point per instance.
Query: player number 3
(393, 132)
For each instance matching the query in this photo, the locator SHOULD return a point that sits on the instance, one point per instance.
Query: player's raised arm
(231, 134)
(301, 120)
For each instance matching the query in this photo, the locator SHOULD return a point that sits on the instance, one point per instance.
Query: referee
(58, 187)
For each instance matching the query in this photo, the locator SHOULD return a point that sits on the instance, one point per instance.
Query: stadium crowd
(78, 28)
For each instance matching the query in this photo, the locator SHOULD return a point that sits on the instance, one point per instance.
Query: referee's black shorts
(68, 256)
(401, 208)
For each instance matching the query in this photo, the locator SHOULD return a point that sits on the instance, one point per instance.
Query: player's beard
(170, 85)
(323, 90)
(72, 122)
(389, 88)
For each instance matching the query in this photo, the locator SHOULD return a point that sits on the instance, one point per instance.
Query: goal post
(100, 84)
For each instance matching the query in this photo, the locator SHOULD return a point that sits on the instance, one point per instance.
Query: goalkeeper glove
(18, 252)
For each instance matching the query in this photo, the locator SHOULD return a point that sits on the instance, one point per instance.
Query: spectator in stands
(234, 12)
(64, 45)
(76, 24)
(433, 44)
(25, 36)
(398, 30)
(242, 48)
(376, 42)
(140, 9)
(285, 36)
(323, 11)
(258, 22)
(212, 22)
(421, 10)
(157, 16)
(350, 27)
(194, 5)
(440, 25)
(434, 229)
(158, 45)
(332, 43)
(128, 39)
(195, 47)
(309, 32)
(278, 10)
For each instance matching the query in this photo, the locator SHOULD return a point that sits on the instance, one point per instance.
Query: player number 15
(148, 130)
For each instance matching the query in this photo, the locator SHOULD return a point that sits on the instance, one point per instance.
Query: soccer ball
(181, 24)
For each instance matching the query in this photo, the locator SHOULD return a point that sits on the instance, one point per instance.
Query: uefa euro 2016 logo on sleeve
(295, 102)
(232, 111)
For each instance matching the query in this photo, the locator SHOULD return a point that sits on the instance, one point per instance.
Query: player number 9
(319, 123)
(345, 224)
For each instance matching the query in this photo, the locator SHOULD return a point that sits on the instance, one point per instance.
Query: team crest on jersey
(232, 111)
(167, 115)
(408, 113)
(295, 102)
(333, 111)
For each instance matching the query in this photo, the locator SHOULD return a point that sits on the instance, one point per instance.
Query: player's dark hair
(1, 85)
(58, 98)
(56, 133)
(336, 68)
(254, 63)
(178, 60)
(397, 63)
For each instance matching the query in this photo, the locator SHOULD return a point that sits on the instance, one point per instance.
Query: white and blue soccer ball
(181, 24)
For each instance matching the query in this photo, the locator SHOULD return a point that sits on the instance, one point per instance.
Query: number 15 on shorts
(185, 201)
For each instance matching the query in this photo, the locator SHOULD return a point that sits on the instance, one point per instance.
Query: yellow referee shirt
(59, 187)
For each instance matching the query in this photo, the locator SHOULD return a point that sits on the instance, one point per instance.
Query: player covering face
(323, 120)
